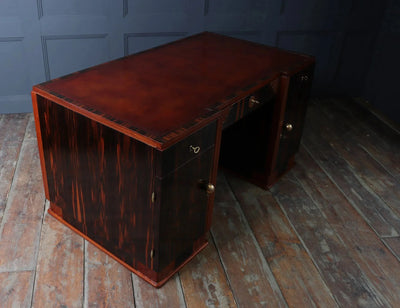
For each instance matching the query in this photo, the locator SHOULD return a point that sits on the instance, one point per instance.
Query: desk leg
(214, 172)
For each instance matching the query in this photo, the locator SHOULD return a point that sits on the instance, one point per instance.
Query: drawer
(233, 114)
(260, 97)
(186, 149)
(292, 126)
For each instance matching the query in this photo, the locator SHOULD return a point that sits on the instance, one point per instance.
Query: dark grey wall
(383, 82)
(44, 39)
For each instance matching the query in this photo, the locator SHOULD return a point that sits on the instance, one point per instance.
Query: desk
(129, 149)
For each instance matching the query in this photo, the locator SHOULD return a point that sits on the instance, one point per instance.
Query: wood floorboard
(249, 275)
(378, 214)
(373, 258)
(12, 131)
(378, 178)
(170, 295)
(295, 272)
(326, 235)
(394, 245)
(210, 289)
(347, 282)
(375, 137)
(106, 281)
(59, 274)
(22, 221)
(16, 288)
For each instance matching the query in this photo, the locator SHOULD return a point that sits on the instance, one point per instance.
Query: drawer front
(260, 97)
(233, 114)
(292, 126)
(254, 101)
(187, 149)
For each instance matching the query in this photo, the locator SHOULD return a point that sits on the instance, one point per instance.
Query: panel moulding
(39, 5)
(148, 34)
(46, 38)
(11, 39)
(283, 6)
(240, 32)
(304, 32)
(124, 8)
(206, 7)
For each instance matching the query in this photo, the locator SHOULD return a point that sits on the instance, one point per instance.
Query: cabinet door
(183, 209)
(292, 126)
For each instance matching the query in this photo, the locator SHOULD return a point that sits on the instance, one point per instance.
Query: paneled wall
(382, 88)
(44, 39)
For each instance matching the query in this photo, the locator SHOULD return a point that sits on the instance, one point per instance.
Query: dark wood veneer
(129, 149)
(92, 173)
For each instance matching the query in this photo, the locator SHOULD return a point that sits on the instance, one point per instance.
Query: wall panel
(319, 44)
(73, 7)
(50, 38)
(353, 68)
(8, 8)
(67, 54)
(136, 42)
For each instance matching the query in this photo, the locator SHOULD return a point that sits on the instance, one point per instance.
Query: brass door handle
(289, 127)
(208, 187)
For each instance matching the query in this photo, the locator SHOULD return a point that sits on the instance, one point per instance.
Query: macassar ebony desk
(129, 149)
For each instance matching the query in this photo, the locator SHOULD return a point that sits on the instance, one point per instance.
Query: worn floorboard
(16, 288)
(375, 137)
(206, 289)
(344, 277)
(106, 281)
(378, 214)
(373, 258)
(12, 132)
(170, 295)
(326, 235)
(248, 273)
(295, 272)
(343, 141)
(22, 220)
(60, 269)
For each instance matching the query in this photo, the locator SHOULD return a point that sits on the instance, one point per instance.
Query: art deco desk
(129, 149)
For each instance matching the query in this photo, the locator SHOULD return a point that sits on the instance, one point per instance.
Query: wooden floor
(327, 235)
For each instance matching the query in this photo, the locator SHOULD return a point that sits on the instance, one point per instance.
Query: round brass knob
(210, 188)
(289, 127)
